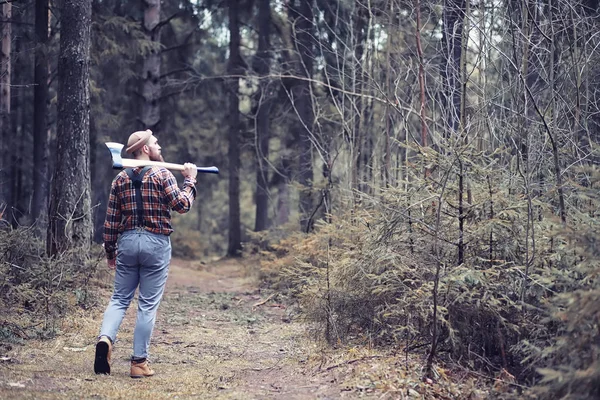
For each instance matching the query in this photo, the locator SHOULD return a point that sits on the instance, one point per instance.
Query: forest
(420, 175)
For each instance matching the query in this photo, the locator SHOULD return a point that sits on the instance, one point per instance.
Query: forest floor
(219, 336)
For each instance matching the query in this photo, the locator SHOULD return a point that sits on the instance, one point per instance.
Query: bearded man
(138, 247)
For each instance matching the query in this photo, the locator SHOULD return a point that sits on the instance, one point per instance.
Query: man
(137, 244)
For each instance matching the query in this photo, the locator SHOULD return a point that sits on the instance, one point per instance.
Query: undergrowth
(37, 291)
(523, 303)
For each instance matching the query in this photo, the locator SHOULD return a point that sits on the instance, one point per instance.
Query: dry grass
(212, 341)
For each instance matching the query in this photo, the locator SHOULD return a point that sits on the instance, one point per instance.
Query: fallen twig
(350, 362)
(260, 303)
(16, 266)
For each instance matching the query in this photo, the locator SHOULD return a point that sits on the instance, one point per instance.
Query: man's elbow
(184, 207)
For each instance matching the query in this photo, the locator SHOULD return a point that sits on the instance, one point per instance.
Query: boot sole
(101, 365)
(140, 376)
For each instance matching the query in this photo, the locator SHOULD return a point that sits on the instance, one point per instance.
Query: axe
(118, 162)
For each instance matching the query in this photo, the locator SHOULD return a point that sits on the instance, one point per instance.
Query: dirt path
(211, 341)
(218, 336)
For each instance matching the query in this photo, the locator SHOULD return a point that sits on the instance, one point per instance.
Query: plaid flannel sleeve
(180, 200)
(111, 223)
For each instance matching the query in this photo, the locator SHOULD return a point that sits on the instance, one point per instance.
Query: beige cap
(137, 140)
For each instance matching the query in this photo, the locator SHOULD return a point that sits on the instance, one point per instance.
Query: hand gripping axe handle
(119, 163)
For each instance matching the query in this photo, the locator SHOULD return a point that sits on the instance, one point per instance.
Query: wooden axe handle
(133, 163)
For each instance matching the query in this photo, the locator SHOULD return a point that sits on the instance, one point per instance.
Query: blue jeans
(142, 260)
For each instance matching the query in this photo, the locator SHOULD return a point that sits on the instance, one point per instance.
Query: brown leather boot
(103, 353)
(140, 369)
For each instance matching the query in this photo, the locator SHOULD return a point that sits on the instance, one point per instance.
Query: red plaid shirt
(160, 195)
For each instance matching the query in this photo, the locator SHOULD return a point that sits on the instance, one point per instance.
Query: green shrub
(524, 300)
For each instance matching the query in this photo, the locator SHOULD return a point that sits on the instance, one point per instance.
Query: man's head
(144, 145)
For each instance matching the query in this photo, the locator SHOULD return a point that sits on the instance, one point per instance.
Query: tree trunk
(234, 68)
(18, 105)
(389, 126)
(70, 222)
(22, 112)
(355, 110)
(262, 118)
(5, 128)
(422, 98)
(151, 89)
(304, 36)
(283, 190)
(366, 147)
(454, 11)
(41, 138)
(554, 52)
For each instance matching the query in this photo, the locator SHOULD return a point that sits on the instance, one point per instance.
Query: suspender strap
(137, 184)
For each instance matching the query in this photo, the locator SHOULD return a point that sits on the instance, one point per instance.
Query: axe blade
(115, 152)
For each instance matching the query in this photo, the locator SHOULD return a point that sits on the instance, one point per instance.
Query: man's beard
(158, 157)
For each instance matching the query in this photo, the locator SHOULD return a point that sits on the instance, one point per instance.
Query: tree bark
(422, 110)
(555, 51)
(355, 111)
(5, 123)
(70, 222)
(454, 11)
(234, 68)
(262, 118)
(41, 134)
(283, 191)
(151, 89)
(19, 105)
(389, 126)
(304, 36)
